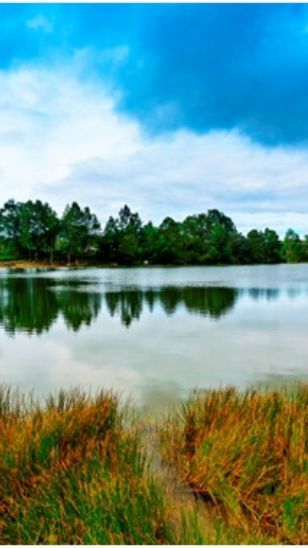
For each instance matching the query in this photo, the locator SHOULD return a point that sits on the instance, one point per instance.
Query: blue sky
(171, 108)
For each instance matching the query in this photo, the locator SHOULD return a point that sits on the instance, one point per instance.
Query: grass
(75, 470)
(245, 455)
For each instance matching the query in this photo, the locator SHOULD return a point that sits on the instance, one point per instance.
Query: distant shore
(20, 263)
(24, 263)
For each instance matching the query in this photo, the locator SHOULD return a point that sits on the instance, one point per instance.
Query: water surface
(153, 333)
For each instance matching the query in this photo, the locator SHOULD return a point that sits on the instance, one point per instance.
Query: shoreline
(28, 264)
(40, 264)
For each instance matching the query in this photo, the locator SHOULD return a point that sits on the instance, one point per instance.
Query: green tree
(10, 227)
(221, 233)
(109, 243)
(305, 249)
(292, 247)
(255, 243)
(195, 233)
(122, 236)
(149, 243)
(171, 249)
(240, 249)
(39, 229)
(128, 221)
(29, 227)
(79, 234)
(272, 246)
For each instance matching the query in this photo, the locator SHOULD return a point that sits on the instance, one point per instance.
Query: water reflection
(33, 304)
(212, 301)
(27, 305)
(78, 308)
(268, 293)
(153, 334)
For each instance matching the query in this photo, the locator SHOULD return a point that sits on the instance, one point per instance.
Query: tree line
(33, 230)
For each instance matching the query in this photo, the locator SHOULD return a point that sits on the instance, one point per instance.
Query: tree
(291, 247)
(170, 244)
(29, 227)
(272, 247)
(32, 229)
(215, 217)
(195, 232)
(110, 240)
(305, 249)
(240, 249)
(79, 232)
(149, 243)
(255, 242)
(122, 236)
(39, 229)
(10, 225)
(221, 233)
(128, 221)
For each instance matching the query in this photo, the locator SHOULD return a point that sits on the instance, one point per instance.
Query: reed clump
(245, 455)
(73, 471)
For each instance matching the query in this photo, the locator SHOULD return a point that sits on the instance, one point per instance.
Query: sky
(173, 109)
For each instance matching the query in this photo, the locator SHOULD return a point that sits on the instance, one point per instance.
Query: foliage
(79, 231)
(30, 228)
(292, 247)
(33, 230)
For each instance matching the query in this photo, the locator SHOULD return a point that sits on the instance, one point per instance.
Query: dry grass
(246, 456)
(74, 472)
(23, 263)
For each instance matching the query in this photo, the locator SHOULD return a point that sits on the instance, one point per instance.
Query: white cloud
(40, 23)
(62, 139)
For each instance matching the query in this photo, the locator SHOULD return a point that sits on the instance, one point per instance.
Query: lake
(153, 334)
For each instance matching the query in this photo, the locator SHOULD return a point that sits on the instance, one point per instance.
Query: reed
(74, 471)
(77, 470)
(245, 455)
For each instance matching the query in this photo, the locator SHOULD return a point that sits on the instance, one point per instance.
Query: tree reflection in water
(211, 301)
(33, 304)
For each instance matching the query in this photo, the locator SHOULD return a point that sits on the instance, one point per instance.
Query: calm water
(153, 333)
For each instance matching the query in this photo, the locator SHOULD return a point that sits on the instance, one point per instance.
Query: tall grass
(74, 472)
(245, 455)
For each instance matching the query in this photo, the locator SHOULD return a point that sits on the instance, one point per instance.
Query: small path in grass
(182, 497)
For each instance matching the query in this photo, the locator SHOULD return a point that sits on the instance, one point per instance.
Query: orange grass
(74, 472)
(246, 456)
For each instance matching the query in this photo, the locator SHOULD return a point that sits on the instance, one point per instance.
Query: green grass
(75, 470)
(245, 455)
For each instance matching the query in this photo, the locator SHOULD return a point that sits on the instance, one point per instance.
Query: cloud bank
(63, 138)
